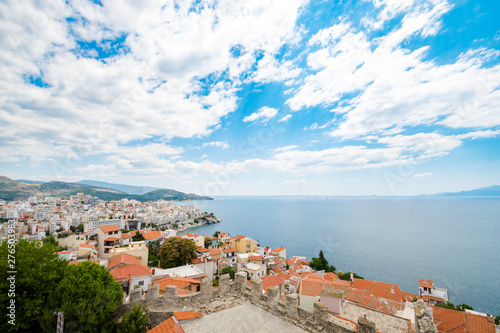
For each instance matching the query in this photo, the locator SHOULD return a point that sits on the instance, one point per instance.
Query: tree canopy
(153, 254)
(86, 293)
(321, 263)
(177, 252)
(137, 237)
(229, 270)
(216, 234)
(459, 307)
(89, 296)
(135, 321)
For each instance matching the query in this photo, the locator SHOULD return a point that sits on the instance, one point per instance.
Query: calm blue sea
(452, 241)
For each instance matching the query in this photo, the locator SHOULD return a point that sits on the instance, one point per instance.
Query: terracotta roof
(185, 315)
(454, 321)
(279, 249)
(108, 228)
(64, 252)
(168, 326)
(256, 258)
(123, 258)
(152, 235)
(202, 249)
(311, 286)
(383, 289)
(127, 271)
(425, 283)
(229, 250)
(126, 236)
(271, 280)
(90, 246)
(214, 252)
(111, 239)
(179, 282)
(380, 304)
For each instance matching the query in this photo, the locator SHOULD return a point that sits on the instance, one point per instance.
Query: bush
(136, 321)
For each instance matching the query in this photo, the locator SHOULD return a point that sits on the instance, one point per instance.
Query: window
(141, 283)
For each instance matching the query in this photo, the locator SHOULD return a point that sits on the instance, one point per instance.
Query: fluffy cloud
(263, 114)
(222, 144)
(90, 77)
(379, 87)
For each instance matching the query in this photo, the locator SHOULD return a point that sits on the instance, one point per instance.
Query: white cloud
(285, 118)
(150, 90)
(422, 175)
(479, 134)
(390, 87)
(221, 144)
(263, 114)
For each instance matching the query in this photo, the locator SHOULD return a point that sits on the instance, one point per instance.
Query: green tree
(497, 320)
(177, 252)
(79, 228)
(135, 321)
(347, 276)
(208, 242)
(39, 271)
(216, 234)
(88, 295)
(320, 263)
(229, 270)
(153, 253)
(137, 237)
(449, 305)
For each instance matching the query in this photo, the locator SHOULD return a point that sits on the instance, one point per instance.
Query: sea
(454, 241)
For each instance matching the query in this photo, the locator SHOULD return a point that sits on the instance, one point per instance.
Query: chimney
(392, 289)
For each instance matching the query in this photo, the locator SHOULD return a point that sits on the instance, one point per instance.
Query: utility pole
(60, 322)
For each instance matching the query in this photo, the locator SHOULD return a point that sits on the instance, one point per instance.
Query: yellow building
(243, 244)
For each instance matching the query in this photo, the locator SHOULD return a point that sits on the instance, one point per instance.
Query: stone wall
(229, 294)
(423, 318)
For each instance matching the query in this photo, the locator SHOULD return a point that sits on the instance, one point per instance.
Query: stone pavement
(241, 318)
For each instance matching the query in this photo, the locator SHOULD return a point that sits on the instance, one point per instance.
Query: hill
(13, 190)
(130, 189)
(490, 191)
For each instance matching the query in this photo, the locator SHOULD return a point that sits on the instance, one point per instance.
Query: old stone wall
(231, 293)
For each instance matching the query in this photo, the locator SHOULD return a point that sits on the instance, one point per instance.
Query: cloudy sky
(259, 97)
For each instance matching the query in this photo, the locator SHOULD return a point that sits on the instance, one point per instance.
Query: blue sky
(290, 97)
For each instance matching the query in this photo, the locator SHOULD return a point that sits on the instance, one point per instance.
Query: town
(223, 272)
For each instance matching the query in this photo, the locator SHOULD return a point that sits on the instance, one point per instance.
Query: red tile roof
(425, 283)
(202, 249)
(123, 258)
(152, 235)
(108, 228)
(168, 326)
(111, 239)
(383, 289)
(229, 250)
(128, 271)
(90, 246)
(179, 282)
(124, 236)
(256, 258)
(279, 249)
(454, 321)
(380, 304)
(311, 286)
(271, 280)
(185, 315)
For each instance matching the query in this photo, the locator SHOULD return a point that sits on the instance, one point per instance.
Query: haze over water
(452, 241)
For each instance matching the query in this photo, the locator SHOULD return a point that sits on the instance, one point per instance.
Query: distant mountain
(490, 191)
(14, 190)
(130, 189)
(26, 181)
